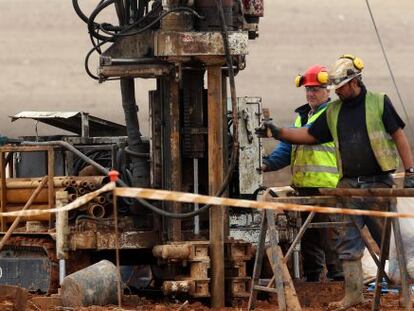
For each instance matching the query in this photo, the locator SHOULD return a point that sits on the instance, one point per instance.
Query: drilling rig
(202, 141)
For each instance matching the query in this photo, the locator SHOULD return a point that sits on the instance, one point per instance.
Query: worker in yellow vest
(368, 135)
(312, 167)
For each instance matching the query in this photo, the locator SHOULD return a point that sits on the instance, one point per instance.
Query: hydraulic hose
(121, 183)
(229, 62)
(145, 28)
(92, 25)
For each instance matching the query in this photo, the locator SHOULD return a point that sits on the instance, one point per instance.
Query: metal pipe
(101, 199)
(16, 196)
(59, 181)
(139, 165)
(178, 252)
(216, 169)
(196, 218)
(62, 231)
(296, 263)
(62, 270)
(375, 192)
(96, 210)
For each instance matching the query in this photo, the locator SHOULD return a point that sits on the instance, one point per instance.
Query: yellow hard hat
(344, 70)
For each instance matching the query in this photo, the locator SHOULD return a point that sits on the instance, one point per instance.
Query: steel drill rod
(215, 179)
(376, 192)
(16, 196)
(59, 181)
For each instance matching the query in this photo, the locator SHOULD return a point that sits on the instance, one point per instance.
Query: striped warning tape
(153, 194)
(164, 195)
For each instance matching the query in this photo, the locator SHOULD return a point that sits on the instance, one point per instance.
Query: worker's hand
(409, 180)
(267, 129)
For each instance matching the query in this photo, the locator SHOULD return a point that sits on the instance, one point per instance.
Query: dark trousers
(318, 245)
(318, 249)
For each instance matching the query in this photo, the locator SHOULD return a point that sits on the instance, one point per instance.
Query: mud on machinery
(198, 143)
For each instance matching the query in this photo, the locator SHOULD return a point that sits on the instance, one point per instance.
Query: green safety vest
(314, 165)
(381, 142)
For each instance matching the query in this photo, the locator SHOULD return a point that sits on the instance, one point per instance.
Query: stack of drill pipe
(19, 190)
(59, 181)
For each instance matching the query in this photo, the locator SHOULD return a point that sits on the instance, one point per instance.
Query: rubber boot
(353, 286)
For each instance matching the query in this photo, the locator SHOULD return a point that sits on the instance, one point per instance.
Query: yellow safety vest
(381, 142)
(314, 165)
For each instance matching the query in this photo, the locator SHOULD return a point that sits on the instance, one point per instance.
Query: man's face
(316, 95)
(346, 91)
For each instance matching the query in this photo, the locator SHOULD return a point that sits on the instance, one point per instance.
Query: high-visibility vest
(381, 142)
(314, 165)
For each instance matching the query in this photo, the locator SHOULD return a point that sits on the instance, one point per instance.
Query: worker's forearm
(403, 148)
(297, 136)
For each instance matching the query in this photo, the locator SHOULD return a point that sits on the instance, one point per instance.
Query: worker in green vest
(312, 167)
(368, 135)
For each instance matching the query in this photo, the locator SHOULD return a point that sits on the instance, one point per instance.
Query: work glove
(409, 180)
(267, 129)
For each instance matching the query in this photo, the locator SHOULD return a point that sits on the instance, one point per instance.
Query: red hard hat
(316, 75)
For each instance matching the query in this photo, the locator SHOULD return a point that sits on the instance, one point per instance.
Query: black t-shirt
(357, 156)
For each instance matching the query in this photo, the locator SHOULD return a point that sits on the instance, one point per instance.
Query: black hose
(92, 25)
(137, 154)
(120, 182)
(95, 48)
(232, 82)
(124, 32)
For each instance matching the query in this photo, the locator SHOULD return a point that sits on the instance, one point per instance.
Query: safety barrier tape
(153, 194)
(183, 197)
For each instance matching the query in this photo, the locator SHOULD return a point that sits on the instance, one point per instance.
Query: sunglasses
(314, 88)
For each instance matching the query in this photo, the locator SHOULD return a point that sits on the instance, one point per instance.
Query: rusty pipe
(83, 183)
(59, 181)
(100, 199)
(376, 192)
(91, 186)
(175, 287)
(65, 183)
(178, 252)
(96, 210)
(16, 196)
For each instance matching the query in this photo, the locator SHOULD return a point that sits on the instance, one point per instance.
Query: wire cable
(111, 39)
(389, 68)
(121, 183)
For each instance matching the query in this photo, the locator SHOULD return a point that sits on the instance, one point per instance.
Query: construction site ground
(313, 297)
